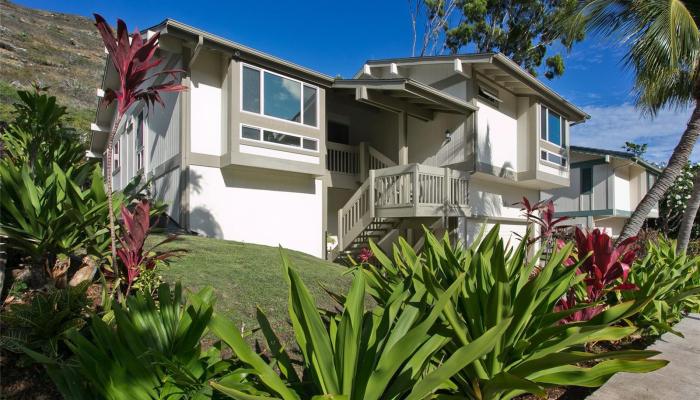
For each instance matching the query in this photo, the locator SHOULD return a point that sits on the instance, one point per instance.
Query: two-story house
(265, 151)
(606, 186)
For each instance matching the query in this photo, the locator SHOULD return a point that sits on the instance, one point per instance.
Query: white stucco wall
(622, 189)
(206, 100)
(258, 206)
(497, 133)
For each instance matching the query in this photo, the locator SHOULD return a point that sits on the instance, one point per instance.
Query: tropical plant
(675, 201)
(41, 323)
(605, 266)
(689, 216)
(541, 216)
(151, 350)
(495, 286)
(672, 278)
(664, 53)
(380, 353)
(136, 226)
(134, 60)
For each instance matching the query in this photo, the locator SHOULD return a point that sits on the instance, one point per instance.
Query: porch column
(403, 138)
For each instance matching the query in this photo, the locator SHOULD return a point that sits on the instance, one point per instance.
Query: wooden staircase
(391, 195)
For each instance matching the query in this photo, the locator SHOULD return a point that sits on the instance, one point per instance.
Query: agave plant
(536, 351)
(134, 60)
(135, 230)
(381, 353)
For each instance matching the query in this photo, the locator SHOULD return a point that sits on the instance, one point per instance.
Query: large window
(551, 126)
(276, 96)
(115, 156)
(278, 138)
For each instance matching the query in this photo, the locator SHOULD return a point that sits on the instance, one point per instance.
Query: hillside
(61, 51)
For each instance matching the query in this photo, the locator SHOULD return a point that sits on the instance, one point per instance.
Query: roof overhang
(498, 68)
(402, 94)
(616, 154)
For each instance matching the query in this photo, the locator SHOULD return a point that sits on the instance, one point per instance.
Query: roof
(409, 90)
(617, 154)
(499, 60)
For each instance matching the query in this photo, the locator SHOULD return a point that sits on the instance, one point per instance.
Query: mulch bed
(19, 381)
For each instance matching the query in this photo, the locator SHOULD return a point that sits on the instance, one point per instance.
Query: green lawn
(247, 275)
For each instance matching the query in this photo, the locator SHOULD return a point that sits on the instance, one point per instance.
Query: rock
(85, 273)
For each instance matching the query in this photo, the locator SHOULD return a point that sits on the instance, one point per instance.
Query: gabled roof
(616, 154)
(501, 62)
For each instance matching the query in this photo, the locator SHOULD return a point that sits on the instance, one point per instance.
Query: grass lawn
(248, 275)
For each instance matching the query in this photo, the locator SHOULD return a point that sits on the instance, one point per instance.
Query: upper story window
(551, 126)
(277, 96)
(278, 138)
(553, 158)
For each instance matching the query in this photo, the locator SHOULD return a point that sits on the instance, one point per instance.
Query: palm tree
(691, 210)
(133, 59)
(664, 54)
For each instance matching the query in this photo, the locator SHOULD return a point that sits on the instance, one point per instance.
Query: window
(489, 96)
(139, 142)
(115, 156)
(278, 138)
(251, 90)
(551, 126)
(586, 180)
(553, 158)
(278, 97)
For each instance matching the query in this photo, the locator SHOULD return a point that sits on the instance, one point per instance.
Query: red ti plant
(134, 60)
(606, 267)
(365, 255)
(542, 215)
(135, 229)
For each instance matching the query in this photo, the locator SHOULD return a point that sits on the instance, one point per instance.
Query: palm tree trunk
(675, 166)
(688, 220)
(110, 204)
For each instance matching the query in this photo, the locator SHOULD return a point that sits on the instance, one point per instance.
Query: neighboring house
(264, 151)
(606, 186)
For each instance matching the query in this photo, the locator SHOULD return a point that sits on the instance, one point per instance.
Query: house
(264, 151)
(606, 186)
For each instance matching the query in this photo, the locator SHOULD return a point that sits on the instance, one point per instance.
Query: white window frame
(286, 146)
(263, 71)
(545, 123)
(548, 161)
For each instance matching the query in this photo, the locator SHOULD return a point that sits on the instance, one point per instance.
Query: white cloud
(610, 126)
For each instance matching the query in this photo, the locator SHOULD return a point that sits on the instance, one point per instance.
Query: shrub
(40, 324)
(672, 279)
(150, 350)
(496, 286)
(383, 352)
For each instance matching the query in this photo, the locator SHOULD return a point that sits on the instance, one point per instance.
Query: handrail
(356, 213)
(377, 160)
(342, 158)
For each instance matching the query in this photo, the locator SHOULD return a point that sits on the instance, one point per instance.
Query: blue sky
(336, 37)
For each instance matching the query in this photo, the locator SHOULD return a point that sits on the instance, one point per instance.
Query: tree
(436, 15)
(523, 30)
(637, 150)
(672, 206)
(664, 53)
(691, 211)
(133, 59)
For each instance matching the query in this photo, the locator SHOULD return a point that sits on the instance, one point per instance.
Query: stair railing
(357, 213)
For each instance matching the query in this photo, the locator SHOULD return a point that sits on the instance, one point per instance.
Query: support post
(364, 160)
(403, 138)
(341, 245)
(371, 194)
(416, 189)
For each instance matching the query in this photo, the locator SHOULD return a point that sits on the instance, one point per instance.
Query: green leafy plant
(150, 350)
(42, 322)
(379, 353)
(672, 279)
(498, 284)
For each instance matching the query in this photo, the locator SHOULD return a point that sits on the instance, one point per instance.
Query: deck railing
(343, 158)
(403, 191)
